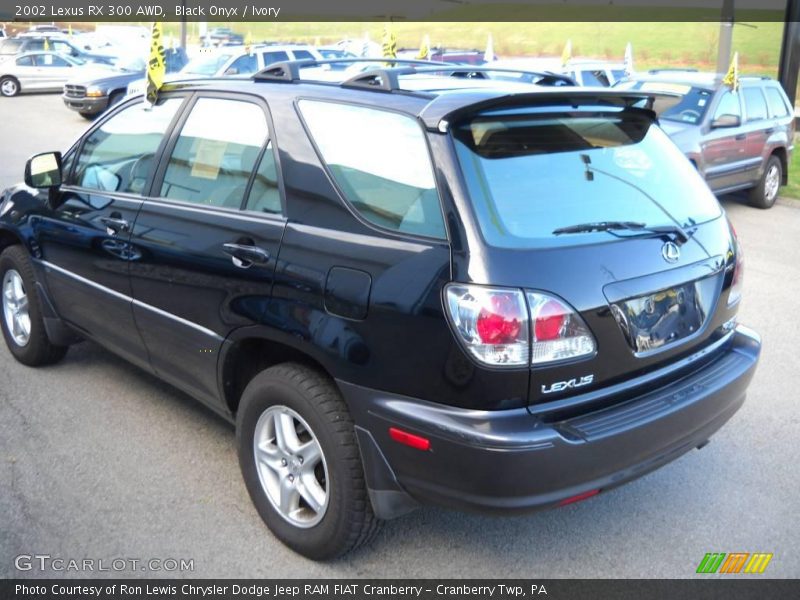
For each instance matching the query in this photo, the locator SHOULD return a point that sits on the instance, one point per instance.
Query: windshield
(691, 105)
(132, 64)
(529, 175)
(206, 65)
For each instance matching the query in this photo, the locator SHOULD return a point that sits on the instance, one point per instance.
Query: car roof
(704, 79)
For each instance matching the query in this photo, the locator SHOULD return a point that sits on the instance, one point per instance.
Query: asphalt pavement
(100, 460)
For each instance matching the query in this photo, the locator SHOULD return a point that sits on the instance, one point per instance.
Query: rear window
(530, 174)
(777, 105)
(691, 105)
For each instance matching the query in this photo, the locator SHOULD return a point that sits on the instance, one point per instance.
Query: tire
(114, 99)
(766, 192)
(9, 87)
(88, 116)
(307, 400)
(25, 335)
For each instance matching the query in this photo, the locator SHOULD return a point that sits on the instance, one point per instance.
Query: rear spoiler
(446, 108)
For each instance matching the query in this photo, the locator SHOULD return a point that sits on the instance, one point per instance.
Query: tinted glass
(528, 175)
(380, 161)
(728, 105)
(244, 65)
(691, 105)
(50, 60)
(119, 155)
(264, 195)
(302, 54)
(25, 61)
(216, 153)
(777, 105)
(595, 78)
(755, 104)
(273, 57)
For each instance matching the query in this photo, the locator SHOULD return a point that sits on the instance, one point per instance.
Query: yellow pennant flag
(389, 42)
(566, 55)
(425, 49)
(156, 65)
(248, 44)
(732, 76)
(70, 30)
(46, 46)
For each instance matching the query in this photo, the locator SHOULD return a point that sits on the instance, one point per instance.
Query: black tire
(38, 350)
(114, 99)
(9, 86)
(88, 116)
(764, 195)
(348, 522)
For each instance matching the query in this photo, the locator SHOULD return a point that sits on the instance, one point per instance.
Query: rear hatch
(594, 206)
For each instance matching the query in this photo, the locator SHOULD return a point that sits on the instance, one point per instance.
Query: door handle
(114, 224)
(245, 255)
(769, 130)
(740, 137)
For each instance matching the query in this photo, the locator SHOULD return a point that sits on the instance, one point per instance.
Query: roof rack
(387, 78)
(673, 70)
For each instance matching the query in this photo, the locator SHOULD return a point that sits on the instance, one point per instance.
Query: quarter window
(118, 156)
(777, 106)
(264, 194)
(216, 153)
(380, 161)
(755, 104)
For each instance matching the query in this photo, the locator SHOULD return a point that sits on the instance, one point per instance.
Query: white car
(586, 72)
(43, 72)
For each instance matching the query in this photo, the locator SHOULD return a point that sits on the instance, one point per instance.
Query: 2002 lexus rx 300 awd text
(407, 288)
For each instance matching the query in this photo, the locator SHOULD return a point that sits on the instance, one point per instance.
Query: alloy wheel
(15, 308)
(772, 183)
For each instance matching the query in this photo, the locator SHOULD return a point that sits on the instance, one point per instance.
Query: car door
(84, 239)
(758, 128)
(53, 71)
(723, 153)
(208, 258)
(26, 72)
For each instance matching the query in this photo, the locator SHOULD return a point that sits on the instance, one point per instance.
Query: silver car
(42, 72)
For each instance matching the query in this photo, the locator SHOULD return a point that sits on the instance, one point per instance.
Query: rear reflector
(579, 497)
(409, 439)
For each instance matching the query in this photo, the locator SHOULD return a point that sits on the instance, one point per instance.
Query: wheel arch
(782, 155)
(9, 238)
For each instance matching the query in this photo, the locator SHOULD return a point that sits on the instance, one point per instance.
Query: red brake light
(501, 324)
(409, 439)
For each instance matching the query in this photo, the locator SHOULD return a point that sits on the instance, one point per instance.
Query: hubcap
(772, 182)
(15, 308)
(9, 88)
(291, 466)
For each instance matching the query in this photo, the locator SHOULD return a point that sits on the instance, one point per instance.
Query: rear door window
(777, 105)
(274, 56)
(755, 104)
(215, 153)
(530, 174)
(302, 54)
(380, 161)
(25, 61)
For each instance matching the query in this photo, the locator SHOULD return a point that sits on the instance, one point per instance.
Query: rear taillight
(735, 293)
(558, 332)
(498, 328)
(492, 323)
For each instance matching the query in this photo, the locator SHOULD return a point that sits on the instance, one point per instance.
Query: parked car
(737, 141)
(585, 72)
(238, 60)
(60, 44)
(43, 72)
(473, 298)
(90, 97)
(223, 36)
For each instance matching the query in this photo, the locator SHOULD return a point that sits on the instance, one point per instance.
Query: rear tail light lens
(735, 293)
(491, 322)
(497, 327)
(557, 331)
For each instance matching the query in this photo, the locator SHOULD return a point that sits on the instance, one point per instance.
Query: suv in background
(402, 291)
(223, 36)
(238, 60)
(736, 140)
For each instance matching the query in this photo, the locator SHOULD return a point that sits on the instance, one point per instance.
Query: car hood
(683, 134)
(104, 77)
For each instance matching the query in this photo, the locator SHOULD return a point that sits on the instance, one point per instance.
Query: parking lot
(101, 460)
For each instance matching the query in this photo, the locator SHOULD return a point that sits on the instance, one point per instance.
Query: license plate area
(658, 320)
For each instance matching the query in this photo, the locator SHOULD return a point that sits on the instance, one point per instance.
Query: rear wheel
(22, 322)
(9, 86)
(766, 192)
(301, 464)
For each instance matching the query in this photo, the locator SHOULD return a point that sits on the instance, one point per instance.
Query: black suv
(399, 293)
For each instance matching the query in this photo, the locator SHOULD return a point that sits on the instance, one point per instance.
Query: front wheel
(22, 322)
(9, 86)
(300, 461)
(766, 192)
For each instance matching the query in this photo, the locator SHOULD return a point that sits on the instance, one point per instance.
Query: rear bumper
(89, 106)
(507, 461)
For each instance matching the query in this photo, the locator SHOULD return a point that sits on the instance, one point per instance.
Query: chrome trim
(126, 298)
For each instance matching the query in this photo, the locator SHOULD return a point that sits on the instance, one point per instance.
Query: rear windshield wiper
(610, 226)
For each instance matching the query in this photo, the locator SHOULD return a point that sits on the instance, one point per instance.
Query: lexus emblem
(670, 252)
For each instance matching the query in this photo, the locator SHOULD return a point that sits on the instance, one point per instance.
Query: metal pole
(790, 50)
(183, 25)
(725, 37)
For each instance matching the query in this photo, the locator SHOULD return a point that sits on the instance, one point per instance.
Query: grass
(792, 190)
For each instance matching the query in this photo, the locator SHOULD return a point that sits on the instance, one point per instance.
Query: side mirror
(43, 170)
(726, 121)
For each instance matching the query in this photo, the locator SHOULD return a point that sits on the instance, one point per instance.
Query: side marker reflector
(409, 439)
(579, 497)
